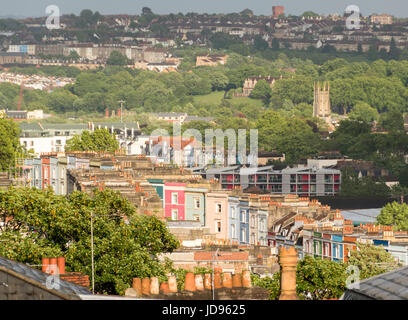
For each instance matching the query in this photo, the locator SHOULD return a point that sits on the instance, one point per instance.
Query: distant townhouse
(336, 238)
(174, 201)
(258, 222)
(48, 137)
(195, 203)
(244, 220)
(233, 219)
(7, 58)
(250, 83)
(217, 214)
(381, 19)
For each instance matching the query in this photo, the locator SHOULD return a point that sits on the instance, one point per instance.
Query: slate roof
(362, 215)
(392, 285)
(25, 271)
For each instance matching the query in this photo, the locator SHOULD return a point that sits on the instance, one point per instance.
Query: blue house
(244, 222)
(234, 219)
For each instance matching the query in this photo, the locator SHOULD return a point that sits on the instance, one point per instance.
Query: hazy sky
(36, 8)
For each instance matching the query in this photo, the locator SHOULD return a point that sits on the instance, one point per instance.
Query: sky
(36, 8)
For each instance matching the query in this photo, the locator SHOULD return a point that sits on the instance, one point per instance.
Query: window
(218, 226)
(252, 238)
(174, 214)
(243, 235)
(233, 212)
(174, 198)
(262, 224)
(233, 231)
(196, 217)
(253, 221)
(197, 203)
(218, 208)
(243, 216)
(31, 143)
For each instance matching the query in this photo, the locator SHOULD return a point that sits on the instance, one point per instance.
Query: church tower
(321, 104)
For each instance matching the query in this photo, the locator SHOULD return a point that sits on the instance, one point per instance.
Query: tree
(316, 279)
(262, 90)
(394, 52)
(99, 140)
(362, 111)
(392, 121)
(260, 43)
(394, 214)
(291, 136)
(275, 44)
(371, 260)
(146, 11)
(125, 244)
(117, 59)
(9, 143)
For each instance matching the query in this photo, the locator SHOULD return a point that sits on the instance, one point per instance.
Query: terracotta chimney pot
(199, 283)
(146, 286)
(246, 279)
(288, 262)
(137, 285)
(61, 265)
(164, 288)
(53, 266)
(45, 263)
(189, 283)
(237, 280)
(217, 280)
(207, 281)
(154, 285)
(172, 281)
(227, 280)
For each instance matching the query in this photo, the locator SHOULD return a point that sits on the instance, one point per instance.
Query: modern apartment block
(300, 181)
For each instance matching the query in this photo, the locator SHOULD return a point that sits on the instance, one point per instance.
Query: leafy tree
(98, 140)
(9, 143)
(275, 44)
(371, 260)
(146, 11)
(262, 90)
(392, 121)
(117, 59)
(354, 187)
(260, 43)
(362, 111)
(310, 14)
(316, 279)
(61, 101)
(291, 136)
(394, 214)
(403, 177)
(125, 244)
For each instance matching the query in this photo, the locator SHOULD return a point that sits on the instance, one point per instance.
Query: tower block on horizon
(321, 104)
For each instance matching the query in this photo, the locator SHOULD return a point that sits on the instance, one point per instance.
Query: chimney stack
(288, 262)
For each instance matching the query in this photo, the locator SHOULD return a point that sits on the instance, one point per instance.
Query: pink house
(217, 214)
(174, 201)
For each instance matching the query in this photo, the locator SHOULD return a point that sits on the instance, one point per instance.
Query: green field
(215, 98)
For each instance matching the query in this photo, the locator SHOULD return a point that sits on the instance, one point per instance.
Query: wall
(177, 188)
(213, 218)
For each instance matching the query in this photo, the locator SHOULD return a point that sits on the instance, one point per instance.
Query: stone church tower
(321, 104)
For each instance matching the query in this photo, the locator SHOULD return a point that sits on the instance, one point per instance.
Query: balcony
(275, 179)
